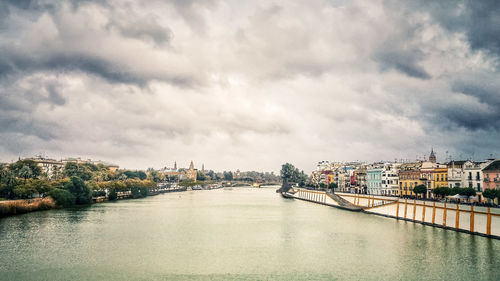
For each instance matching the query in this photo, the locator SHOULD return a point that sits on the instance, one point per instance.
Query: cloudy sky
(249, 84)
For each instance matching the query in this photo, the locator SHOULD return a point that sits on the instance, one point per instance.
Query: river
(239, 234)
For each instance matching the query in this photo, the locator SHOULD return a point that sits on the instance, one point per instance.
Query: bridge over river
(238, 234)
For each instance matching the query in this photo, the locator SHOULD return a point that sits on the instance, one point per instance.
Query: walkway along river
(239, 234)
(464, 218)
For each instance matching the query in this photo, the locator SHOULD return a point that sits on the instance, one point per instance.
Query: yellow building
(409, 177)
(440, 177)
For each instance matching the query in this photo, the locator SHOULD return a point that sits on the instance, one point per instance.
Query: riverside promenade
(475, 220)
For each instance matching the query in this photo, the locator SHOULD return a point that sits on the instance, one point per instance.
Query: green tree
(25, 172)
(322, 185)
(438, 192)
(7, 183)
(83, 195)
(468, 191)
(77, 170)
(333, 186)
(41, 186)
(288, 174)
(135, 192)
(144, 191)
(228, 176)
(454, 191)
(155, 176)
(32, 165)
(142, 175)
(489, 194)
(24, 191)
(420, 189)
(200, 176)
(302, 178)
(112, 195)
(63, 197)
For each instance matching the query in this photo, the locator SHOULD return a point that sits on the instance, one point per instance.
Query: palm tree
(25, 173)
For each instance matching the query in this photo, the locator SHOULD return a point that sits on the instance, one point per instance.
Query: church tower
(175, 166)
(191, 174)
(432, 157)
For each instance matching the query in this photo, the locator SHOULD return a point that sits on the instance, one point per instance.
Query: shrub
(25, 206)
(47, 203)
(144, 191)
(62, 197)
(135, 192)
(80, 190)
(112, 196)
(490, 194)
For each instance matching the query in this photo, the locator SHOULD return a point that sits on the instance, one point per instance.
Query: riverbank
(17, 207)
(23, 206)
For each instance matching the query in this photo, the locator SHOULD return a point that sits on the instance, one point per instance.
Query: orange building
(492, 175)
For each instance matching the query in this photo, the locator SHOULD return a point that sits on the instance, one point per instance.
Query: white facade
(455, 173)
(472, 175)
(50, 167)
(390, 179)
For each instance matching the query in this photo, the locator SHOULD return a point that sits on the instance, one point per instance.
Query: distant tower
(203, 168)
(175, 166)
(191, 166)
(432, 157)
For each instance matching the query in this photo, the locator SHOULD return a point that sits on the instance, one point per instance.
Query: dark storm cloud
(405, 61)
(19, 60)
(486, 90)
(16, 63)
(479, 20)
(483, 27)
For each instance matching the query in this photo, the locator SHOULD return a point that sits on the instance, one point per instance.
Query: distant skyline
(249, 85)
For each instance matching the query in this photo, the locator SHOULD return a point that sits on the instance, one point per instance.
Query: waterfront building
(390, 179)
(491, 175)
(315, 177)
(409, 177)
(440, 177)
(374, 179)
(455, 173)
(472, 175)
(360, 180)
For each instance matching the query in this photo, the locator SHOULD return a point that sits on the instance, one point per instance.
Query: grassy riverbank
(15, 207)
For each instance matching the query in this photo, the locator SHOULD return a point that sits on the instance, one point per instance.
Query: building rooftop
(493, 166)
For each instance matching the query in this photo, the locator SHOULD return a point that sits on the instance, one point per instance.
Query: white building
(390, 179)
(51, 168)
(455, 173)
(472, 175)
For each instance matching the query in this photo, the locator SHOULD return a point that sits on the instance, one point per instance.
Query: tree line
(73, 184)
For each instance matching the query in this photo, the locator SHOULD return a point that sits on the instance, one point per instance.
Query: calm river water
(239, 234)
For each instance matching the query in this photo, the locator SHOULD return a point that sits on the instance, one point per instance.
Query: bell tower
(432, 157)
